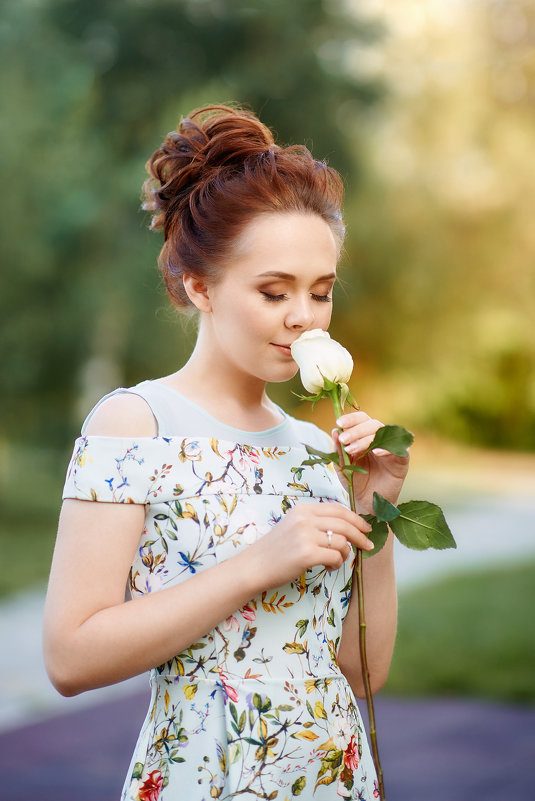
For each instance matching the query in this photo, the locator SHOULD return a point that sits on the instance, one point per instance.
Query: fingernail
(369, 545)
(343, 438)
(340, 422)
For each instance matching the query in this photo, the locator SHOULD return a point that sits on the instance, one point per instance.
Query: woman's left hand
(386, 472)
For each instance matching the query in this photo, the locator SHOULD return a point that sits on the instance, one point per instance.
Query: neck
(218, 385)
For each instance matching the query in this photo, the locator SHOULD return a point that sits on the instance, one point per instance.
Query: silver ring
(329, 537)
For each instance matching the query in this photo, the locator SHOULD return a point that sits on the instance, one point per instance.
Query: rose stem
(335, 397)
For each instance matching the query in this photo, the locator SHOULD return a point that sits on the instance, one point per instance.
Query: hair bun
(210, 140)
(212, 176)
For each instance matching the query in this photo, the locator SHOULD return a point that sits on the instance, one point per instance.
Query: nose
(300, 314)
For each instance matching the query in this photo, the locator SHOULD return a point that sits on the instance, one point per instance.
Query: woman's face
(278, 285)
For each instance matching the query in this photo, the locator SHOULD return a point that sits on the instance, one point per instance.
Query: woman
(238, 560)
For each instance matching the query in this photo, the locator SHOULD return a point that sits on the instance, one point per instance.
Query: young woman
(189, 490)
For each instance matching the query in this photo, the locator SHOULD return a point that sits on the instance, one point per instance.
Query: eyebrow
(290, 277)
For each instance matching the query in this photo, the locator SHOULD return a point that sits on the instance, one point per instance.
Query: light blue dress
(257, 707)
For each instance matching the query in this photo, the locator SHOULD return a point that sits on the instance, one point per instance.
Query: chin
(281, 376)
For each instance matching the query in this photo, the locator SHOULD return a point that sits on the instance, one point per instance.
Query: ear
(197, 291)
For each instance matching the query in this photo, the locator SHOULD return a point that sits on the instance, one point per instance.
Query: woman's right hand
(300, 541)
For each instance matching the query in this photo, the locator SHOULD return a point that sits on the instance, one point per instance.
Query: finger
(339, 512)
(336, 541)
(359, 445)
(333, 560)
(367, 428)
(343, 529)
(335, 433)
(352, 419)
(382, 452)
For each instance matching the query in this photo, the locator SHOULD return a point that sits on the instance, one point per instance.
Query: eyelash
(278, 298)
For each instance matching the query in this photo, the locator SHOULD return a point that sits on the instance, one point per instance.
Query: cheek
(248, 325)
(324, 315)
(259, 319)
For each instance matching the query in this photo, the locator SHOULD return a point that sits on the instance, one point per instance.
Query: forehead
(286, 242)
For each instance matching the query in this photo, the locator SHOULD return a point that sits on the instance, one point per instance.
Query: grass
(470, 635)
(30, 499)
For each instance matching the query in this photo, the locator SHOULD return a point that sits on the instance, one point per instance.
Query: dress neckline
(266, 432)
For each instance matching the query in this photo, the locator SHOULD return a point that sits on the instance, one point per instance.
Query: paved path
(430, 751)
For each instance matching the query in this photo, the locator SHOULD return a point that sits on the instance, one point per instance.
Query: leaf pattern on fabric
(258, 707)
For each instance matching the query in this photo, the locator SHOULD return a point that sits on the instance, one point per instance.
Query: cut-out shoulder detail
(122, 415)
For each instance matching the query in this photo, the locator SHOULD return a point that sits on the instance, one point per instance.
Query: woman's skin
(277, 285)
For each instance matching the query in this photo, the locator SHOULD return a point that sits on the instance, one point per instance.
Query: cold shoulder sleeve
(112, 469)
(160, 470)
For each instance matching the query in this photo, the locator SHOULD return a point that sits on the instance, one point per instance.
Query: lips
(285, 349)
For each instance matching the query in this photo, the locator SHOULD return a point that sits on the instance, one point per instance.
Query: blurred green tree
(89, 90)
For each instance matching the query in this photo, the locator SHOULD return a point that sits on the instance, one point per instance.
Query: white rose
(320, 357)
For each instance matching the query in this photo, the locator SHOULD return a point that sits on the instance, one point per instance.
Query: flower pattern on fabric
(258, 707)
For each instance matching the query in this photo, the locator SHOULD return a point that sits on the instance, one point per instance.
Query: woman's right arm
(93, 637)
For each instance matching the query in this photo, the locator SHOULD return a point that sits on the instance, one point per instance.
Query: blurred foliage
(28, 522)
(468, 635)
(89, 90)
(437, 299)
(442, 243)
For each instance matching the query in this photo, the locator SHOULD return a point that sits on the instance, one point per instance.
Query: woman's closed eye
(273, 298)
(276, 298)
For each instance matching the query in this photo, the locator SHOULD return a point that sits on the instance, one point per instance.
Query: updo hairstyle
(213, 175)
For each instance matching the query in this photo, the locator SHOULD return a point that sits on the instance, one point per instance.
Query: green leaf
(241, 724)
(394, 439)
(378, 535)
(422, 525)
(344, 392)
(293, 648)
(322, 455)
(353, 468)
(384, 510)
(235, 753)
(233, 711)
(328, 385)
(295, 485)
(138, 770)
(312, 398)
(299, 785)
(252, 741)
(351, 400)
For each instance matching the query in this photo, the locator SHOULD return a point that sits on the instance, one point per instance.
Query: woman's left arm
(385, 475)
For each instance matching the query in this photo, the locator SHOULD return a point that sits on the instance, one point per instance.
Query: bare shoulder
(122, 415)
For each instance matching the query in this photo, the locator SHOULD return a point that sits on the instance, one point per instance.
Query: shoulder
(121, 414)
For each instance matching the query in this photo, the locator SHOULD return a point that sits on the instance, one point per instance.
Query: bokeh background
(427, 109)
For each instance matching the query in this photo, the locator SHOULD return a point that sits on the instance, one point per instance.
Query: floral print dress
(258, 707)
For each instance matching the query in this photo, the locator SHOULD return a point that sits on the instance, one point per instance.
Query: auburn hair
(213, 175)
